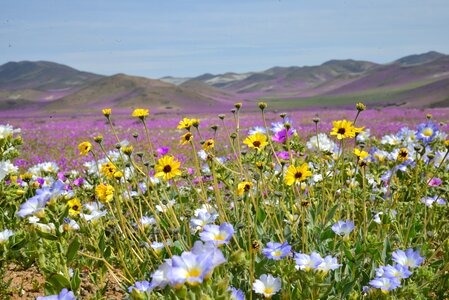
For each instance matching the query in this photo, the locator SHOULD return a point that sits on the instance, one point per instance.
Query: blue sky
(189, 38)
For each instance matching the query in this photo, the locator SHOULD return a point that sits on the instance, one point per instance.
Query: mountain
(126, 92)
(42, 75)
(420, 80)
(417, 59)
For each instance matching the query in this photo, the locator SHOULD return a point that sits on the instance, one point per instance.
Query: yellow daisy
(256, 141)
(75, 206)
(108, 169)
(167, 167)
(106, 112)
(208, 144)
(186, 138)
(84, 148)
(140, 113)
(344, 129)
(185, 124)
(360, 153)
(402, 154)
(297, 174)
(244, 187)
(105, 192)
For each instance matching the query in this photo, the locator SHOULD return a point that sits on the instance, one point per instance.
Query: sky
(185, 38)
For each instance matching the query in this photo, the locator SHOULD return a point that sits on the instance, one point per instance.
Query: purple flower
(163, 150)
(408, 258)
(281, 136)
(283, 155)
(78, 181)
(343, 228)
(218, 235)
(277, 251)
(36, 204)
(435, 181)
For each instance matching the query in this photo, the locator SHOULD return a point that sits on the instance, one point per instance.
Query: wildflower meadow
(258, 205)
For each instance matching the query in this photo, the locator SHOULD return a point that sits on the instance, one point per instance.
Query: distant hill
(420, 80)
(123, 91)
(42, 75)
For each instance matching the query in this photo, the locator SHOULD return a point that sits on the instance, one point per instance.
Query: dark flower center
(247, 187)
(75, 207)
(167, 169)
(341, 131)
(298, 175)
(256, 144)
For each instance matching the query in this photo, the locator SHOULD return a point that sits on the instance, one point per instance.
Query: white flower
(364, 135)
(5, 234)
(321, 142)
(6, 167)
(267, 285)
(7, 130)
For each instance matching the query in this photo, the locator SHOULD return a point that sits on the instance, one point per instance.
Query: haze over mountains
(45, 87)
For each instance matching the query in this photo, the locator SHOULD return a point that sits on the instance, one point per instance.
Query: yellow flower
(108, 169)
(84, 148)
(118, 175)
(128, 150)
(75, 206)
(344, 129)
(167, 167)
(360, 153)
(402, 154)
(243, 187)
(186, 138)
(209, 144)
(140, 113)
(105, 192)
(256, 141)
(297, 174)
(106, 112)
(195, 122)
(185, 124)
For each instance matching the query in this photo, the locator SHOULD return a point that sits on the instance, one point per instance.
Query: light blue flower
(343, 228)
(397, 271)
(385, 284)
(277, 251)
(328, 263)
(189, 268)
(308, 262)
(141, 286)
(408, 258)
(427, 132)
(218, 235)
(63, 295)
(236, 294)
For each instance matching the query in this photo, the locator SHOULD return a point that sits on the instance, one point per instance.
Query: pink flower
(435, 181)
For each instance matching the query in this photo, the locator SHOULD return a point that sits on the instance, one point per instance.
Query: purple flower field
(56, 139)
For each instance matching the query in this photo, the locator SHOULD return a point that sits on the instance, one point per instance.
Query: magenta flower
(435, 181)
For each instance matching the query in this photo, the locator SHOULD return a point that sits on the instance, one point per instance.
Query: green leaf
(76, 281)
(73, 249)
(46, 235)
(56, 282)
